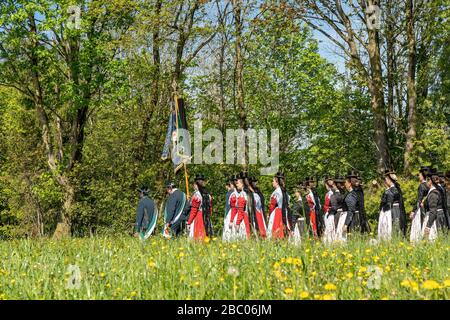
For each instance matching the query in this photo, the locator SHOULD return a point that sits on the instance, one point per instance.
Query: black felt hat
(199, 176)
(243, 174)
(352, 174)
(253, 179)
(338, 178)
(279, 174)
(432, 172)
(424, 169)
(170, 184)
(144, 189)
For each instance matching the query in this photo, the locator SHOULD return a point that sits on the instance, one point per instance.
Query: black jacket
(432, 204)
(145, 212)
(336, 202)
(175, 205)
(350, 205)
(421, 194)
(390, 196)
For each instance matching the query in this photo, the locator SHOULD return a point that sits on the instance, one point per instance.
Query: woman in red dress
(200, 205)
(239, 216)
(279, 224)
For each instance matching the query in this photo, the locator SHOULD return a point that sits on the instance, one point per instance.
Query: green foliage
(433, 147)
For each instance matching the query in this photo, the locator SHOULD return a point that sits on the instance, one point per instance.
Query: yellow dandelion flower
(349, 275)
(304, 294)
(330, 287)
(151, 264)
(102, 274)
(328, 297)
(447, 283)
(288, 290)
(317, 296)
(410, 284)
(430, 285)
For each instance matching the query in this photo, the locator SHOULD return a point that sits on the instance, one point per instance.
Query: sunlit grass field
(127, 268)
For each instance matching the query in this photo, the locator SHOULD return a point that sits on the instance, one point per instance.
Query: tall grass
(127, 268)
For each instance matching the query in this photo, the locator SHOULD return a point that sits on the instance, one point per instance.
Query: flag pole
(184, 163)
(187, 179)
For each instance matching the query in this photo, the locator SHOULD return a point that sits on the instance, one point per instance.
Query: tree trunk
(390, 62)
(411, 83)
(239, 73)
(239, 64)
(155, 87)
(63, 228)
(377, 100)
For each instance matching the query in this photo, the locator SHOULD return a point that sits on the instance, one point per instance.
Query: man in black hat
(145, 212)
(175, 211)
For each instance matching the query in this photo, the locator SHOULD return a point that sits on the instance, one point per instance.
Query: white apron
(340, 236)
(227, 231)
(330, 230)
(433, 229)
(416, 228)
(385, 225)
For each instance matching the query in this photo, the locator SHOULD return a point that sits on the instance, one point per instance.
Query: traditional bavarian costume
(259, 219)
(230, 208)
(278, 220)
(196, 219)
(419, 210)
(329, 232)
(389, 219)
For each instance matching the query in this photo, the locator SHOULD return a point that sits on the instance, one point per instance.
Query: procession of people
(342, 211)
